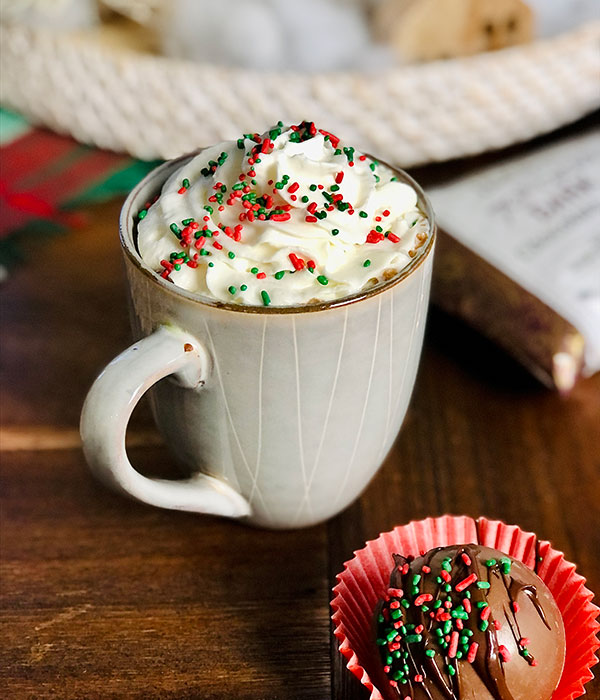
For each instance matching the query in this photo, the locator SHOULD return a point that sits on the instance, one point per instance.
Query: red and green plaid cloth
(45, 178)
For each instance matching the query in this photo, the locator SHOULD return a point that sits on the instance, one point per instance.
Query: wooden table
(107, 598)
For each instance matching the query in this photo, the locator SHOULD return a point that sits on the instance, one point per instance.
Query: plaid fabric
(45, 178)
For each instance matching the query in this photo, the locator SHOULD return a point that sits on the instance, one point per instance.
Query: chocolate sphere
(468, 622)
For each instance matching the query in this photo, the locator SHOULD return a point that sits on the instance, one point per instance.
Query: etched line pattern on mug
(290, 217)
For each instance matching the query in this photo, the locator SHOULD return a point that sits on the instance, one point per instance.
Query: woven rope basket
(156, 107)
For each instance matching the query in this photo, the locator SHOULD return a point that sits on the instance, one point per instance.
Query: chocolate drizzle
(444, 612)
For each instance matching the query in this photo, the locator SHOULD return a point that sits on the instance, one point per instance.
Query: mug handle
(109, 405)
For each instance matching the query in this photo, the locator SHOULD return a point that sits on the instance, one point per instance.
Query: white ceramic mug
(281, 416)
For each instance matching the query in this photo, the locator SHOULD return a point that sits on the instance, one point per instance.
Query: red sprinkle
(311, 263)
(472, 652)
(181, 190)
(393, 238)
(298, 264)
(334, 139)
(217, 245)
(485, 613)
(280, 217)
(392, 592)
(466, 605)
(497, 625)
(423, 598)
(339, 177)
(374, 236)
(465, 583)
(443, 573)
(425, 569)
(515, 607)
(312, 207)
(524, 641)
(453, 645)
(464, 556)
(504, 653)
(419, 678)
(311, 219)
(261, 276)
(293, 187)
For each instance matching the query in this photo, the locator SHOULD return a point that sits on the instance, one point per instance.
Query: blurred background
(95, 92)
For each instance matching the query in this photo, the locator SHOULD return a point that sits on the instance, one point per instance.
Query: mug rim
(127, 240)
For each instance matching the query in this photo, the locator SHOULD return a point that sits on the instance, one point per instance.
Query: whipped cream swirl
(286, 218)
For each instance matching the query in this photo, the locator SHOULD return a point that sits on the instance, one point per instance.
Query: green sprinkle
(451, 670)
(490, 562)
(437, 604)
(313, 188)
(209, 209)
(304, 199)
(483, 584)
(413, 638)
(266, 301)
(334, 188)
(335, 231)
(231, 255)
(483, 625)
(232, 290)
(395, 614)
(279, 275)
(176, 230)
(186, 183)
(204, 252)
(187, 222)
(404, 603)
(211, 264)
(363, 214)
(416, 579)
(506, 565)
(322, 280)
(254, 270)
(430, 653)
(142, 214)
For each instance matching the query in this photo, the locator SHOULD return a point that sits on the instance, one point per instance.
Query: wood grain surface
(106, 598)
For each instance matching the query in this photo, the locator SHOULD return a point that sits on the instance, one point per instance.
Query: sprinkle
(515, 607)
(261, 276)
(453, 645)
(322, 280)
(490, 562)
(472, 652)
(243, 288)
(254, 270)
(504, 653)
(483, 625)
(465, 583)
(483, 584)
(363, 214)
(297, 262)
(335, 231)
(506, 565)
(279, 275)
(311, 219)
(423, 598)
(265, 297)
(339, 177)
(280, 217)
(232, 290)
(293, 187)
(231, 255)
(393, 237)
(142, 214)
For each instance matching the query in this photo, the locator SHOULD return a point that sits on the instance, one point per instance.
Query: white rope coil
(156, 107)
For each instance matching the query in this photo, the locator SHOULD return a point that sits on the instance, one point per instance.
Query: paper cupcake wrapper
(365, 578)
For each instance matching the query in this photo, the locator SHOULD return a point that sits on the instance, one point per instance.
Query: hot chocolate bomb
(467, 622)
